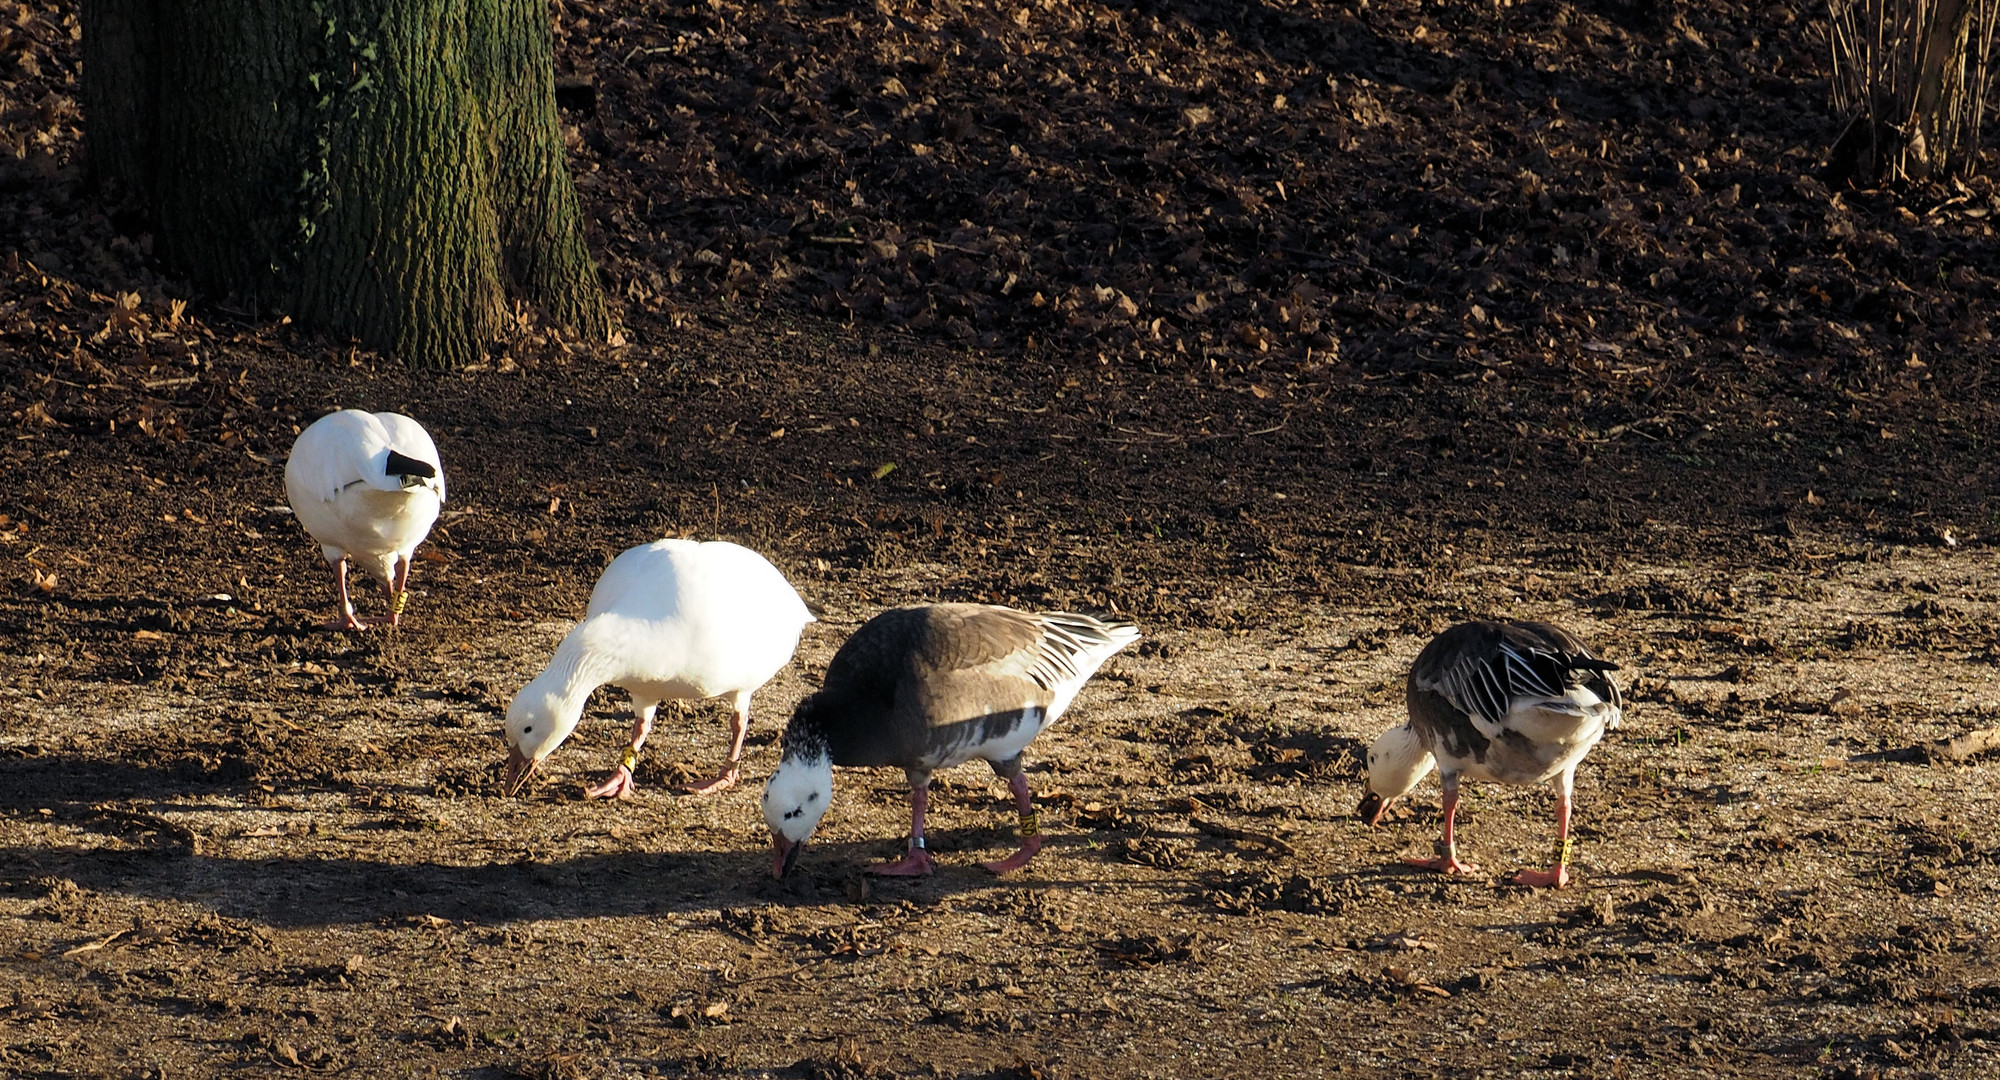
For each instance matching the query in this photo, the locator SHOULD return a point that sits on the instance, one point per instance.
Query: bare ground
(230, 840)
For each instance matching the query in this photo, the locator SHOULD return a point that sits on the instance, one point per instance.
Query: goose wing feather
(352, 447)
(1489, 667)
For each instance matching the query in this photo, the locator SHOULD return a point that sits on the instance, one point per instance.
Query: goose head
(538, 720)
(794, 800)
(1397, 760)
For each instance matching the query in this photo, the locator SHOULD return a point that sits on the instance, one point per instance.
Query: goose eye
(528, 730)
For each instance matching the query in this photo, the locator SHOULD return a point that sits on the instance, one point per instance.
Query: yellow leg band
(402, 601)
(1031, 824)
(628, 759)
(1563, 851)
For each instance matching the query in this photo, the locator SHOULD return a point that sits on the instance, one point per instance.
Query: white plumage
(368, 487)
(670, 620)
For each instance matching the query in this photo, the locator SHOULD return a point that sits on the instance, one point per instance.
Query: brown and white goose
(1512, 703)
(926, 688)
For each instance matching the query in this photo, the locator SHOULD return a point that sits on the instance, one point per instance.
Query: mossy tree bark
(389, 169)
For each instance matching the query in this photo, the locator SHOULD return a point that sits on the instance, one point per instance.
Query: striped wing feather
(1484, 671)
(914, 682)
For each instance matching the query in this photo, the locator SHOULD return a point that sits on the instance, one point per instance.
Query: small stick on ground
(1231, 832)
(93, 946)
(1965, 747)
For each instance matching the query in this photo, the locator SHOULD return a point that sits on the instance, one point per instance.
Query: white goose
(670, 620)
(368, 487)
(926, 688)
(1512, 703)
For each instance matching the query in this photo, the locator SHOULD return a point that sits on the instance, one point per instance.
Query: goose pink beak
(784, 854)
(1372, 808)
(519, 767)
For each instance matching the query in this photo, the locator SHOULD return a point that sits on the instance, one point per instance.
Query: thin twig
(1231, 832)
(93, 946)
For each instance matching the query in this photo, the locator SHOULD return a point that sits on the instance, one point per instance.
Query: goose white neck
(547, 709)
(580, 665)
(1397, 761)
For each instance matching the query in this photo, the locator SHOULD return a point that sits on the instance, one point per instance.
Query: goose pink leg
(1557, 876)
(917, 861)
(347, 619)
(620, 785)
(399, 595)
(739, 726)
(1447, 849)
(1031, 831)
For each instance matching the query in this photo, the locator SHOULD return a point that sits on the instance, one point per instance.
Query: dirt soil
(1293, 331)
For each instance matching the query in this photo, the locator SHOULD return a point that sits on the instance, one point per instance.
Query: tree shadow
(306, 891)
(160, 857)
(68, 786)
(1348, 46)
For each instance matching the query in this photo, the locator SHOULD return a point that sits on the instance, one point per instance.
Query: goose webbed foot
(915, 863)
(619, 785)
(1445, 864)
(1017, 860)
(721, 781)
(1553, 878)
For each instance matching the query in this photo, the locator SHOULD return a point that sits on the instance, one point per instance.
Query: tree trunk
(388, 169)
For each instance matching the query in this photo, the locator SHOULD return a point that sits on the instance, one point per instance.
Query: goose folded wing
(1579, 667)
(1485, 684)
(407, 438)
(338, 457)
(976, 666)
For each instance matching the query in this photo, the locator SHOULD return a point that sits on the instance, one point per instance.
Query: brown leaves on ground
(1485, 191)
(1255, 891)
(1151, 950)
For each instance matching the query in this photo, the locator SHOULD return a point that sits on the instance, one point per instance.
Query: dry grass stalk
(1912, 74)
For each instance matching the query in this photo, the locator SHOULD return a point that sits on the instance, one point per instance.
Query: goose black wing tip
(404, 465)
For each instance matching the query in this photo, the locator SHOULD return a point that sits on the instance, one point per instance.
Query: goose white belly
(1003, 745)
(1540, 739)
(368, 524)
